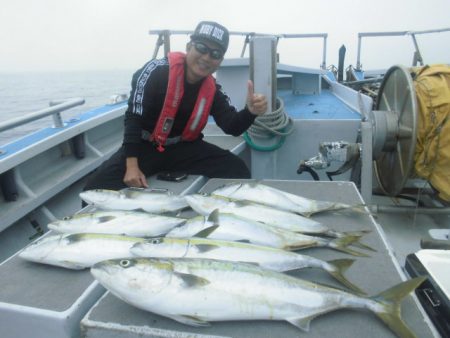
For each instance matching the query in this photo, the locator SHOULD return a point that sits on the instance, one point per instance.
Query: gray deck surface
(111, 317)
(41, 286)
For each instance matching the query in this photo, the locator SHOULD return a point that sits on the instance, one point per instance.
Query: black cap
(212, 31)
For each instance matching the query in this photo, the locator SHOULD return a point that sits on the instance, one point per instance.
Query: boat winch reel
(395, 120)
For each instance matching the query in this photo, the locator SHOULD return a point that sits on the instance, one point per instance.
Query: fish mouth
(103, 271)
(109, 274)
(40, 250)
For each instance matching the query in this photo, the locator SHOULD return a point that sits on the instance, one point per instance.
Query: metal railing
(164, 40)
(417, 59)
(56, 107)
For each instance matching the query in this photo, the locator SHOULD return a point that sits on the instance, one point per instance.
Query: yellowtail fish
(266, 257)
(197, 291)
(129, 223)
(78, 251)
(205, 204)
(263, 194)
(230, 227)
(134, 199)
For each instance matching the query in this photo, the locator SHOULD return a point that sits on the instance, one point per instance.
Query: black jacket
(148, 90)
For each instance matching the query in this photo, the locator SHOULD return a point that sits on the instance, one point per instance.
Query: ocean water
(24, 93)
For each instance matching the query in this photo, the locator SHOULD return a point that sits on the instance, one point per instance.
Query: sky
(60, 35)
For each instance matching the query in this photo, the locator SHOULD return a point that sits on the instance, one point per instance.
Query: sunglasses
(215, 54)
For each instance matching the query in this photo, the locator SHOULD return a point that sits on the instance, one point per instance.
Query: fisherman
(169, 105)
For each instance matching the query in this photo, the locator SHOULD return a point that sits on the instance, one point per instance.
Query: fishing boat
(326, 138)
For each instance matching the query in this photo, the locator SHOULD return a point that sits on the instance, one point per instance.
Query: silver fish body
(266, 257)
(134, 199)
(129, 223)
(204, 205)
(263, 194)
(78, 251)
(230, 227)
(236, 291)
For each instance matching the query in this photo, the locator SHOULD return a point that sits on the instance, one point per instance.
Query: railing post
(263, 72)
(56, 108)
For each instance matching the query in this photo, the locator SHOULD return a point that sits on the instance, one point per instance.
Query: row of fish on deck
(226, 263)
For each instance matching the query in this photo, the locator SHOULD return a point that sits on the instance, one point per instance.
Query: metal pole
(324, 57)
(392, 209)
(358, 57)
(166, 34)
(41, 113)
(417, 55)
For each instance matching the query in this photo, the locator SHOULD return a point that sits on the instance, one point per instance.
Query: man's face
(202, 59)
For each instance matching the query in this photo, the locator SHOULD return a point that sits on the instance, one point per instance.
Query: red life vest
(174, 94)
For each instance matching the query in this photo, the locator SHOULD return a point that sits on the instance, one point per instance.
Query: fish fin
(214, 217)
(390, 312)
(304, 245)
(243, 241)
(244, 203)
(104, 219)
(357, 234)
(364, 246)
(339, 266)
(190, 320)
(191, 280)
(205, 247)
(341, 244)
(72, 265)
(206, 232)
(250, 263)
(360, 208)
(301, 322)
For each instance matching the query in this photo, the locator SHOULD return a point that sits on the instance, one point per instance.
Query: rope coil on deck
(269, 125)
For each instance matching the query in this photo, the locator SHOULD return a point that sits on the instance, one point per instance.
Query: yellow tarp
(432, 155)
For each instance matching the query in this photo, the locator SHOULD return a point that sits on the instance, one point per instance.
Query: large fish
(263, 194)
(266, 257)
(134, 199)
(196, 291)
(230, 227)
(205, 204)
(78, 251)
(129, 223)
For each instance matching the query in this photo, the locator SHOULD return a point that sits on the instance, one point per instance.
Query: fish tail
(337, 269)
(341, 244)
(389, 312)
(299, 246)
(358, 234)
(360, 208)
(364, 246)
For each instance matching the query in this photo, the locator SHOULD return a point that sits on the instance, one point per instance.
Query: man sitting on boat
(169, 105)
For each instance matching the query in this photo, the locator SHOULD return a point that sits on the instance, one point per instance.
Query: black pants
(195, 158)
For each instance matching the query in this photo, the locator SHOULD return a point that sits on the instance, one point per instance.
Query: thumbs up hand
(256, 103)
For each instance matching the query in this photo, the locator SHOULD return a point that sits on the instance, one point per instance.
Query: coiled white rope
(269, 125)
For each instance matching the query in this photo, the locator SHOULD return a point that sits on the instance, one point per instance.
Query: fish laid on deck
(230, 227)
(134, 199)
(237, 291)
(78, 251)
(204, 205)
(263, 194)
(129, 223)
(266, 257)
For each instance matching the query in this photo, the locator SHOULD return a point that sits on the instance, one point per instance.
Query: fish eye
(66, 218)
(125, 263)
(156, 240)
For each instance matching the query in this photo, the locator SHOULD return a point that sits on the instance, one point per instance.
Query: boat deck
(325, 106)
(374, 274)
